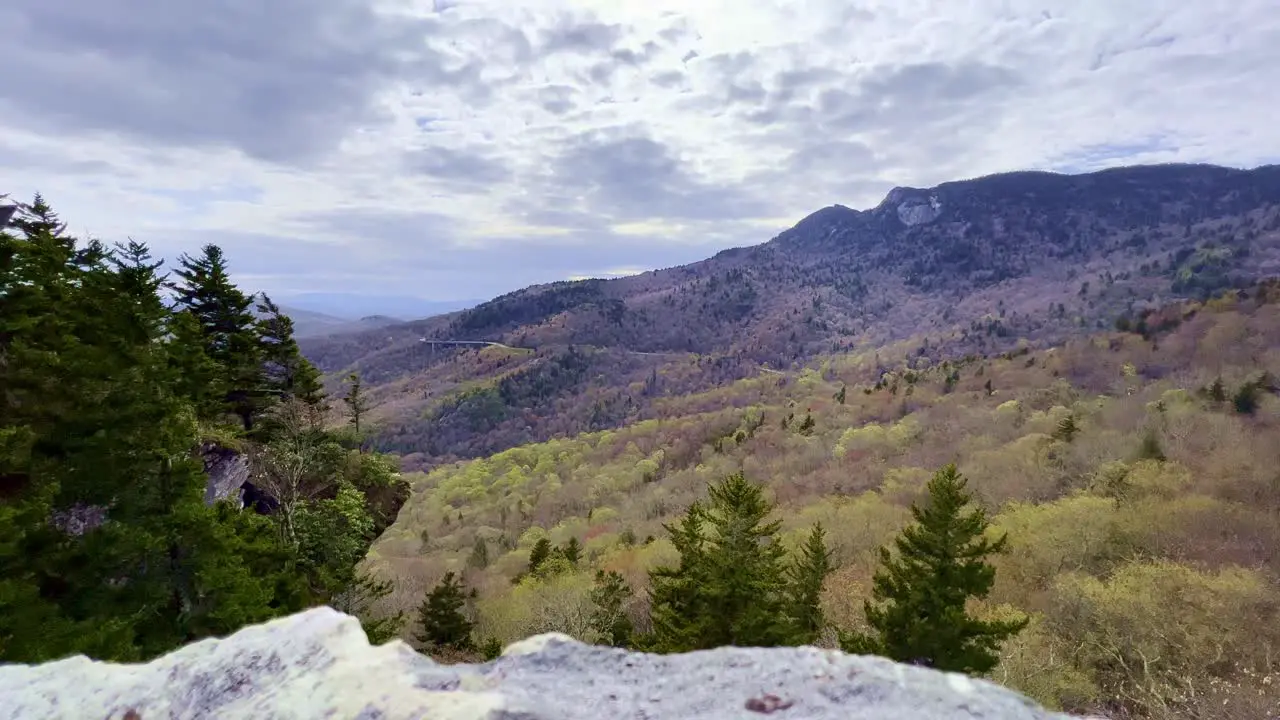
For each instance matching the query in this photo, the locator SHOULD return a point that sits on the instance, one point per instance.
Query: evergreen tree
(942, 562)
(1067, 429)
(608, 616)
(729, 588)
(228, 328)
(479, 554)
(805, 578)
(1218, 391)
(357, 404)
(1245, 400)
(358, 599)
(95, 418)
(572, 551)
(540, 553)
(443, 623)
(287, 373)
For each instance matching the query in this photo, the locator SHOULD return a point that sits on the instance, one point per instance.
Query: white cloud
(469, 151)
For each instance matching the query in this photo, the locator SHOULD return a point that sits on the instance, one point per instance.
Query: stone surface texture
(318, 664)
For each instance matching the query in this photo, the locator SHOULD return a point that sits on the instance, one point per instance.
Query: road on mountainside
(490, 343)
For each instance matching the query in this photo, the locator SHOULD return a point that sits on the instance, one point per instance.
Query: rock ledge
(318, 664)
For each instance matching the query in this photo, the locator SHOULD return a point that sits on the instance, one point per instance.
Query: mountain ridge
(968, 266)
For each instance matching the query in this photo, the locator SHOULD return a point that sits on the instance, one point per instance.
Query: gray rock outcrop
(318, 664)
(227, 471)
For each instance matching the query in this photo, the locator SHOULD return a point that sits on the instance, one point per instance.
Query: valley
(1097, 354)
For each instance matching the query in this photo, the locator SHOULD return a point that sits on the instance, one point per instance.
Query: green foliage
(540, 554)
(609, 619)
(941, 563)
(728, 588)
(107, 546)
(805, 578)
(1067, 429)
(357, 404)
(1149, 448)
(1245, 401)
(358, 599)
(572, 551)
(441, 615)
(227, 328)
(479, 554)
(490, 649)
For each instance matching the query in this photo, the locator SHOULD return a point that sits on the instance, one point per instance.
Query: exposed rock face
(227, 470)
(318, 664)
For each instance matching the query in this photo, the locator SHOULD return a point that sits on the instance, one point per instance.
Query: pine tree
(357, 404)
(608, 616)
(1218, 391)
(228, 328)
(805, 578)
(443, 623)
(286, 372)
(729, 587)
(540, 553)
(572, 551)
(921, 594)
(1245, 400)
(479, 554)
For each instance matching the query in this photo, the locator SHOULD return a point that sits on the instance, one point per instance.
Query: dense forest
(116, 383)
(1095, 524)
(1132, 475)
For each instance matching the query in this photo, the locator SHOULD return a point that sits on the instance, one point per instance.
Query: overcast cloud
(462, 149)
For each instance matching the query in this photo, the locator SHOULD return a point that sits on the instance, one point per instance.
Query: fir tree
(540, 553)
(228, 327)
(286, 373)
(1245, 400)
(443, 623)
(920, 613)
(729, 587)
(805, 578)
(1067, 429)
(572, 551)
(1218, 391)
(479, 554)
(608, 616)
(357, 404)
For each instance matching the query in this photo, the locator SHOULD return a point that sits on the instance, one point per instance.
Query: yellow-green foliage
(1116, 559)
(1155, 633)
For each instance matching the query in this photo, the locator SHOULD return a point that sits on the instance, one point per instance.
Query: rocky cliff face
(318, 664)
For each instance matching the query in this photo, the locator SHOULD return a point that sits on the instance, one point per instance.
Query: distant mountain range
(324, 314)
(973, 266)
(352, 306)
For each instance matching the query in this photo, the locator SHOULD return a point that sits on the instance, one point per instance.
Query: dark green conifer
(729, 587)
(919, 615)
(443, 623)
(805, 578)
(609, 619)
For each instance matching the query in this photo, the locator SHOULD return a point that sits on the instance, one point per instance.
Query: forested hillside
(1132, 472)
(115, 384)
(973, 266)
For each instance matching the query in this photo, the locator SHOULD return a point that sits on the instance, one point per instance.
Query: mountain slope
(308, 323)
(1135, 477)
(967, 267)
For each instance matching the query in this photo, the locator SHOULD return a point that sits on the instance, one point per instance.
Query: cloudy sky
(462, 148)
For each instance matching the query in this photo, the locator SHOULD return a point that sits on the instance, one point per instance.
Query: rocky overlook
(318, 664)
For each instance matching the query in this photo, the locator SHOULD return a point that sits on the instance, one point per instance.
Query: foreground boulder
(318, 664)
